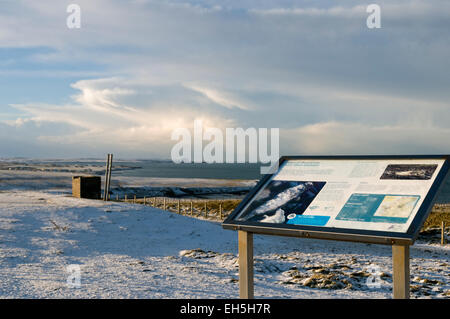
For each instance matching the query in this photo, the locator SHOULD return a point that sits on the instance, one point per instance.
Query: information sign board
(379, 199)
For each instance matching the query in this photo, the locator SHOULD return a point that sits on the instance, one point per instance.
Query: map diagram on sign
(396, 206)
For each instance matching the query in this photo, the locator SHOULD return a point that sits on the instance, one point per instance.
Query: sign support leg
(400, 264)
(245, 265)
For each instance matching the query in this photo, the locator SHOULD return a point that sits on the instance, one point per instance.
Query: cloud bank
(137, 70)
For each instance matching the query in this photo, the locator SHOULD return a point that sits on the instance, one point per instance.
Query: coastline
(60, 181)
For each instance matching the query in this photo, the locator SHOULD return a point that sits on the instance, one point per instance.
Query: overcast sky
(136, 70)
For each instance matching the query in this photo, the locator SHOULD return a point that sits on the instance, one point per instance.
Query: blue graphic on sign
(308, 220)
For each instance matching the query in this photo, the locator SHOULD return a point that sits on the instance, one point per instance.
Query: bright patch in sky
(136, 70)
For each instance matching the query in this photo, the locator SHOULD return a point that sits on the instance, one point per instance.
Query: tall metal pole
(107, 176)
(106, 179)
(110, 170)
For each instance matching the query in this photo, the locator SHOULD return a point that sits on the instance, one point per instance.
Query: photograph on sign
(363, 194)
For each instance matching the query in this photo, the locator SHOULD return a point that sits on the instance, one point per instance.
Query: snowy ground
(133, 251)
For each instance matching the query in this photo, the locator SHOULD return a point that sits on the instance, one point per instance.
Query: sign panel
(373, 195)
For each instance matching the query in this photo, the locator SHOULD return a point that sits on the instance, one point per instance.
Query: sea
(164, 169)
(138, 168)
(168, 169)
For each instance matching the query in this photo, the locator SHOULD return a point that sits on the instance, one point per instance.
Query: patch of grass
(198, 205)
(59, 227)
(439, 214)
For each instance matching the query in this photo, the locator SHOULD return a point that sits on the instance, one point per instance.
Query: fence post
(164, 203)
(179, 208)
(206, 211)
(220, 210)
(442, 233)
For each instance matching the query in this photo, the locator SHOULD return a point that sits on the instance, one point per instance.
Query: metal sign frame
(344, 234)
(400, 242)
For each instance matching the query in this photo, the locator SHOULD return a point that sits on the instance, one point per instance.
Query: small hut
(86, 187)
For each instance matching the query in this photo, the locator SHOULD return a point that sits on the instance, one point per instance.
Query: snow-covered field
(135, 251)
